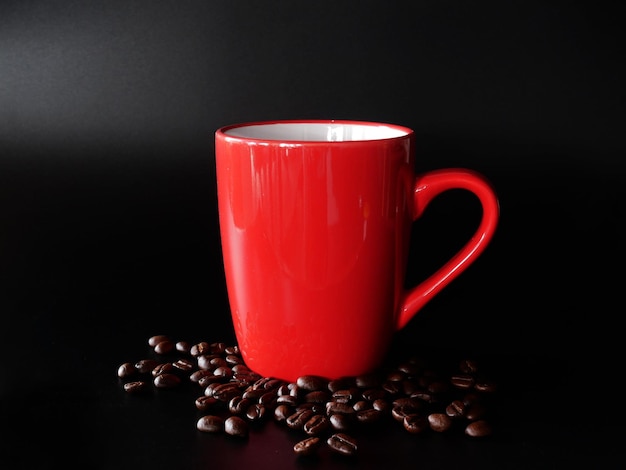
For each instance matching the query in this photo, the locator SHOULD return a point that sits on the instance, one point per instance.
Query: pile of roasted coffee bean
(231, 396)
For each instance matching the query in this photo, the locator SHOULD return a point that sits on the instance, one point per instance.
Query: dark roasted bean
(126, 370)
(415, 423)
(209, 380)
(184, 364)
(198, 374)
(396, 376)
(480, 428)
(317, 396)
(456, 409)
(345, 395)
(316, 424)
(199, 349)
(312, 383)
(256, 412)
(238, 405)
(475, 411)
(297, 419)
(183, 347)
(340, 421)
(463, 381)
(233, 360)
(156, 339)
(164, 347)
(343, 444)
(307, 446)
(226, 391)
(368, 380)
(439, 422)
(210, 423)
(204, 362)
(145, 366)
(253, 393)
(137, 386)
(468, 366)
(286, 400)
(166, 381)
(361, 405)
(166, 367)
(485, 386)
(232, 350)
(333, 407)
(342, 383)
(372, 394)
(224, 372)
(218, 361)
(282, 412)
(368, 416)
(236, 426)
(204, 403)
(268, 399)
(218, 347)
(381, 405)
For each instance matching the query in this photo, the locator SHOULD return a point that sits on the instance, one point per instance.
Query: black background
(109, 233)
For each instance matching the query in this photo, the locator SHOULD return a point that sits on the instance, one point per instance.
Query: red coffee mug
(315, 221)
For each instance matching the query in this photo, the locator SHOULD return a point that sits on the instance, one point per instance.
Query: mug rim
(402, 132)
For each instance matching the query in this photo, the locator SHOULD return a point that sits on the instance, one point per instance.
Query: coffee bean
(199, 349)
(156, 339)
(342, 443)
(307, 446)
(184, 364)
(342, 383)
(439, 422)
(365, 381)
(368, 416)
(164, 347)
(282, 412)
(197, 375)
(183, 347)
(137, 386)
(205, 403)
(236, 426)
(475, 411)
(145, 366)
(485, 386)
(317, 396)
(316, 424)
(312, 383)
(468, 366)
(256, 412)
(226, 391)
(462, 381)
(297, 419)
(126, 370)
(456, 409)
(415, 423)
(210, 423)
(238, 404)
(480, 428)
(340, 422)
(166, 381)
(166, 367)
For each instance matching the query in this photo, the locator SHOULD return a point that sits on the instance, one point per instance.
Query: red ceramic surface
(315, 220)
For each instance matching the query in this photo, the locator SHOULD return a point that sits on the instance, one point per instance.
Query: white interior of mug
(317, 132)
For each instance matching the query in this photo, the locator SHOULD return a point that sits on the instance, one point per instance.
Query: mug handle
(426, 187)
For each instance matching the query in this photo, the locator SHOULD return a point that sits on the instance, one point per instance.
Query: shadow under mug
(315, 222)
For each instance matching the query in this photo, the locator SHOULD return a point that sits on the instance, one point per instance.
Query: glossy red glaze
(315, 237)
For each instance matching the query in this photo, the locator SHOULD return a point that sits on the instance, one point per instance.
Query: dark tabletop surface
(109, 234)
